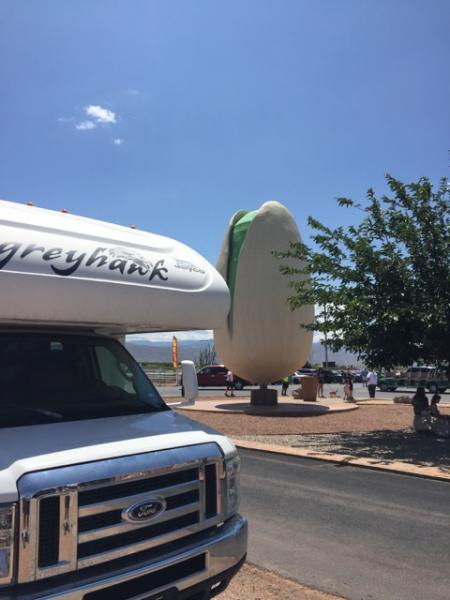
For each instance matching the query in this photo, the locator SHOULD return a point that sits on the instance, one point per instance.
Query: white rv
(105, 493)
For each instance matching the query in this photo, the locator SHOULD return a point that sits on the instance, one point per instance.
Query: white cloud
(86, 125)
(166, 336)
(118, 141)
(97, 116)
(101, 115)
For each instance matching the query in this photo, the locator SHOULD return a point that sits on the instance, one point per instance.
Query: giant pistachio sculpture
(261, 340)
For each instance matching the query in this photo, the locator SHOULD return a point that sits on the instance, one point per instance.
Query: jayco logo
(124, 260)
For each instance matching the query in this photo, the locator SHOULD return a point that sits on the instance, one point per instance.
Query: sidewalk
(385, 446)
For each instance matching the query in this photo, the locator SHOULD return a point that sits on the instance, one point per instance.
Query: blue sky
(172, 115)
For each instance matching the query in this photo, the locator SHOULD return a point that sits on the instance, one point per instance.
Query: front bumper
(219, 552)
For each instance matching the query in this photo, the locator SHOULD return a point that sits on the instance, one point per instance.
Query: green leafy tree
(382, 286)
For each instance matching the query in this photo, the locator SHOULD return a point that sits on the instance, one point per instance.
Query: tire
(442, 390)
(391, 389)
(238, 386)
(433, 388)
(383, 387)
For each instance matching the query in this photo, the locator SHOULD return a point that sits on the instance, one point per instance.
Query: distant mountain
(341, 358)
(160, 352)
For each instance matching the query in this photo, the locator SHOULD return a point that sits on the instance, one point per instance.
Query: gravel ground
(366, 418)
(382, 432)
(254, 583)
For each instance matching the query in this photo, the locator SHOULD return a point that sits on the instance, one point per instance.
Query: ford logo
(144, 511)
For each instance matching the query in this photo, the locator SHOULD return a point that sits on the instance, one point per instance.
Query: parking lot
(359, 392)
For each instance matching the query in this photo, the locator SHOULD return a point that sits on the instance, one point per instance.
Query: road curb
(380, 402)
(346, 459)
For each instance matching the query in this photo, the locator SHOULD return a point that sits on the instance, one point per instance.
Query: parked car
(215, 375)
(300, 373)
(337, 376)
(357, 377)
(330, 376)
(297, 376)
(431, 378)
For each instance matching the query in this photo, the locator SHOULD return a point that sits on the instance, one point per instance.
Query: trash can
(310, 385)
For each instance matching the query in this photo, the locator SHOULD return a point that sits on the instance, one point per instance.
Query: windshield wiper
(38, 411)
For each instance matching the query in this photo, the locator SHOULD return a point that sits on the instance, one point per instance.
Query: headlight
(233, 467)
(7, 516)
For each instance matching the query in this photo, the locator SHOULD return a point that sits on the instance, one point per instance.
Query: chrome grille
(139, 587)
(77, 521)
(48, 547)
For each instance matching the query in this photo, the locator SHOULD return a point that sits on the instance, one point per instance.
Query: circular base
(287, 408)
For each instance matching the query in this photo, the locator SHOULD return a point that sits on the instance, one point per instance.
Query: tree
(383, 286)
(207, 356)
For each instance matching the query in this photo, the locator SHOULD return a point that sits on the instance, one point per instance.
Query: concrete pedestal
(264, 397)
(310, 386)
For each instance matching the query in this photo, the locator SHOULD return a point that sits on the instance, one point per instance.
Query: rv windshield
(48, 378)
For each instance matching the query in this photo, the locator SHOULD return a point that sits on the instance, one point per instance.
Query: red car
(215, 375)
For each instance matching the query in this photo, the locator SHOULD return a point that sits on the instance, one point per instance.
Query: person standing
(364, 373)
(372, 382)
(230, 383)
(321, 381)
(348, 387)
(284, 386)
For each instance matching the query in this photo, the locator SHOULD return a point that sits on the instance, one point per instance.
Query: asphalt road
(356, 533)
(359, 391)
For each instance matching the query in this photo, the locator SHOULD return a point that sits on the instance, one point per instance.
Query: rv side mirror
(189, 381)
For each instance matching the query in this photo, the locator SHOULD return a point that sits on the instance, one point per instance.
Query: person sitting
(434, 410)
(298, 393)
(421, 411)
(420, 403)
